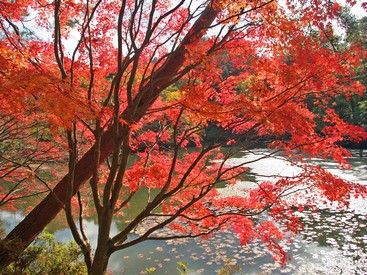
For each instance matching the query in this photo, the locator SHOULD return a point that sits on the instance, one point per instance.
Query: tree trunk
(33, 224)
(102, 254)
(100, 263)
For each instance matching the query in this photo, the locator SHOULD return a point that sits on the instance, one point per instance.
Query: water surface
(332, 242)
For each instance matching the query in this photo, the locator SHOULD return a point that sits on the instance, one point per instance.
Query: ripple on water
(332, 242)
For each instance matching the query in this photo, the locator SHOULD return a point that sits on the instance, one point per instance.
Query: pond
(332, 242)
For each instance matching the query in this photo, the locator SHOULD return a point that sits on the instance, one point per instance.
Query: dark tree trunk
(26, 231)
(33, 224)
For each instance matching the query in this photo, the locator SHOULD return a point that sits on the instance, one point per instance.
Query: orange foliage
(141, 82)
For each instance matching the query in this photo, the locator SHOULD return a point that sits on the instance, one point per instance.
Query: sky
(358, 10)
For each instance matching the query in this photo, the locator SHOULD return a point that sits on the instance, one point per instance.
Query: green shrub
(46, 256)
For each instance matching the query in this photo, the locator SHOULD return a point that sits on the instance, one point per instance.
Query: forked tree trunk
(33, 224)
(102, 253)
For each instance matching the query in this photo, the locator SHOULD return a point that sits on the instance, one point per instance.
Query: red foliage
(154, 81)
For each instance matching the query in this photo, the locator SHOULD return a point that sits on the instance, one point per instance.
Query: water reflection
(343, 235)
(332, 242)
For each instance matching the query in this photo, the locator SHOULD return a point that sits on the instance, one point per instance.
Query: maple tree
(349, 106)
(123, 88)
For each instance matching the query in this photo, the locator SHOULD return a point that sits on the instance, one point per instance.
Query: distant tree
(352, 106)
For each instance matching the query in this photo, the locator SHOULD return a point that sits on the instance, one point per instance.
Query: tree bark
(102, 253)
(33, 224)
